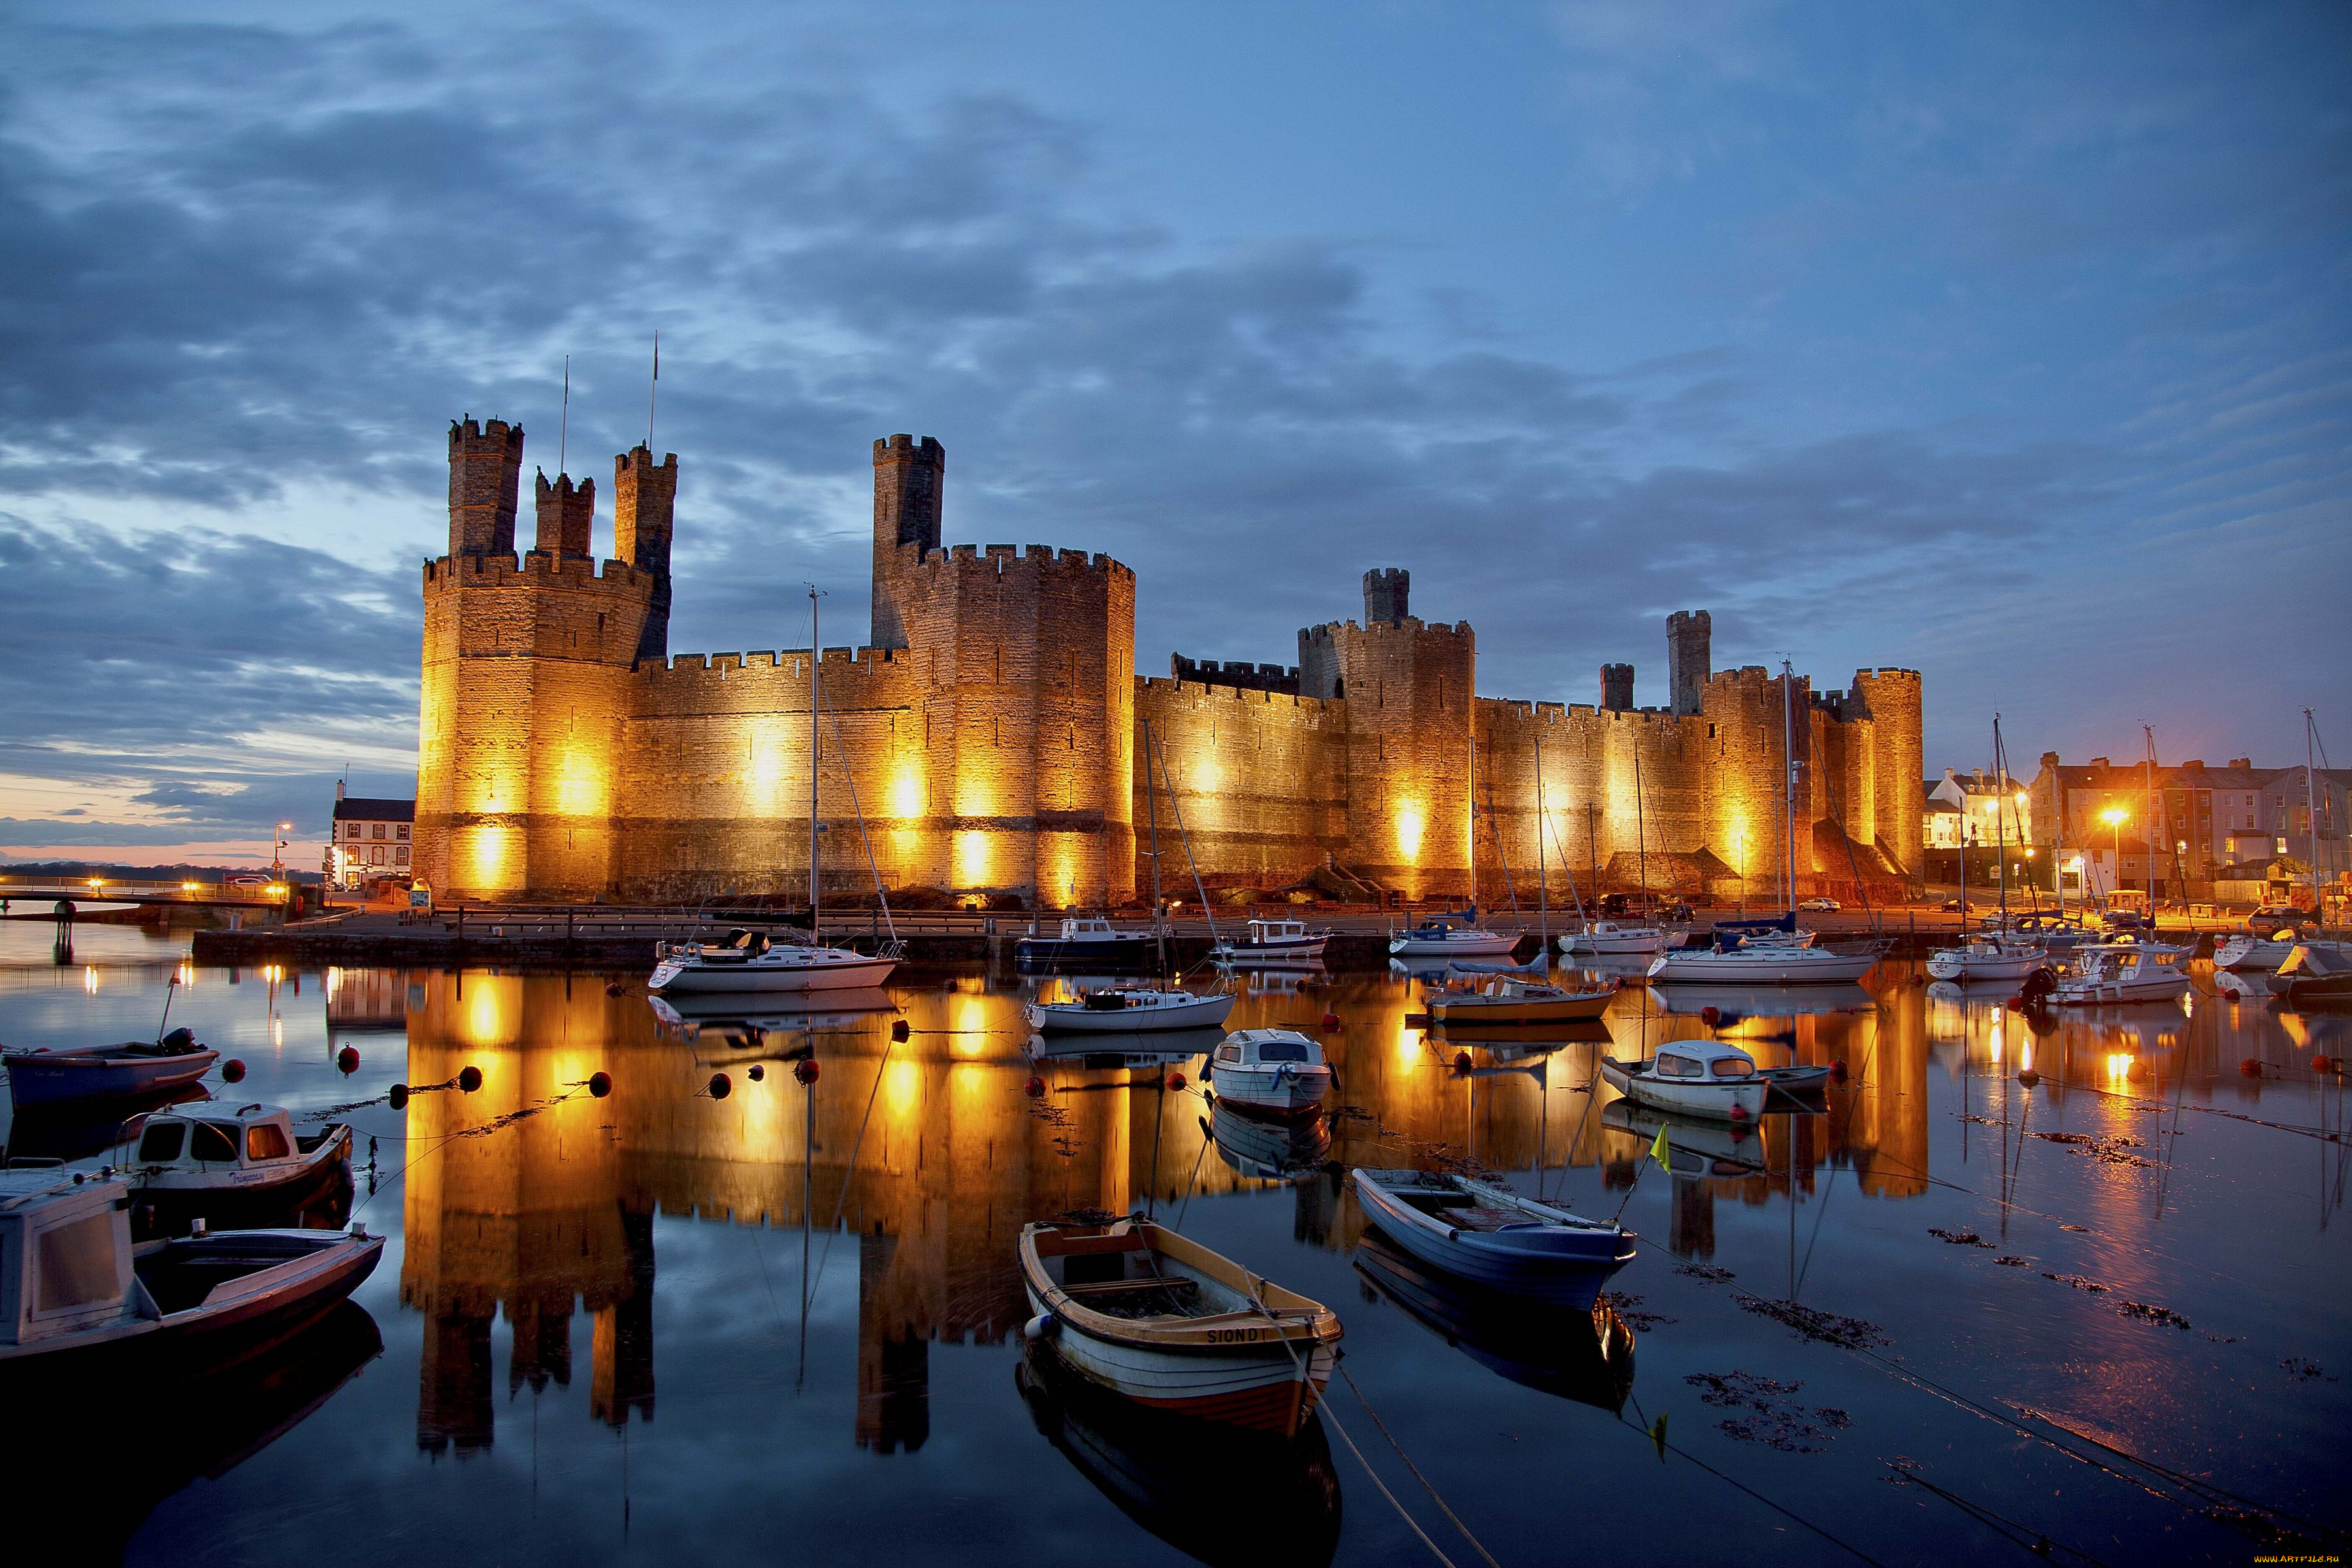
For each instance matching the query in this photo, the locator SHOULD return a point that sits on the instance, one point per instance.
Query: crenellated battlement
(1197, 693)
(536, 569)
(967, 561)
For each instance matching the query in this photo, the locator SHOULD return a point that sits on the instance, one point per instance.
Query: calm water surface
(784, 1324)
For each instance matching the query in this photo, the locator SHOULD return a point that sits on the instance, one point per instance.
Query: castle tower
(1617, 688)
(567, 516)
(1387, 591)
(1897, 754)
(1688, 636)
(909, 483)
(644, 497)
(525, 688)
(485, 474)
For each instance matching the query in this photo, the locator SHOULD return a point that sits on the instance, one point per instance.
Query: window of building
(378, 831)
(403, 854)
(401, 833)
(375, 854)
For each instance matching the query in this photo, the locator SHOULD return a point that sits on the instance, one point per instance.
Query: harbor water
(2074, 1287)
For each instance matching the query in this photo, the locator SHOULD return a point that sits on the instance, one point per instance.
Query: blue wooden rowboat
(1484, 1232)
(44, 1076)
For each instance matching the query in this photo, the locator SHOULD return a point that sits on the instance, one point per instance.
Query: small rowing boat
(43, 1076)
(1159, 1318)
(1482, 1231)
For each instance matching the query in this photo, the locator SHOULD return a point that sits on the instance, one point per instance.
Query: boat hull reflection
(1565, 1352)
(1695, 1147)
(1764, 1001)
(1268, 1147)
(1151, 1464)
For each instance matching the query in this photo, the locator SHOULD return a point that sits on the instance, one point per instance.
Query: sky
(2005, 342)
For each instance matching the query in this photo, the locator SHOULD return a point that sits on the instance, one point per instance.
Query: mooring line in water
(841, 1198)
(2014, 1531)
(2157, 1108)
(1415, 1469)
(1658, 1438)
(2187, 1482)
(1411, 1524)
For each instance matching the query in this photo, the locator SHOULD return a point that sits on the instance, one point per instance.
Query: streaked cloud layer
(2008, 346)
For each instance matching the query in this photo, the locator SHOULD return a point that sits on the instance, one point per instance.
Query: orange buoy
(1710, 1015)
(1739, 1113)
(720, 1086)
(805, 1070)
(614, 988)
(2323, 1064)
(600, 1084)
(2251, 1068)
(1176, 1082)
(232, 1072)
(1837, 1069)
(1036, 1087)
(1330, 1020)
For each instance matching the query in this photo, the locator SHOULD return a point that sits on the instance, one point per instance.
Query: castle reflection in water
(531, 1198)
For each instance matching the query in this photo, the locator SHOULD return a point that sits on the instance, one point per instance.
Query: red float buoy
(805, 1069)
(1462, 1061)
(347, 1061)
(757, 1072)
(469, 1079)
(1837, 1069)
(398, 1096)
(2027, 1077)
(1710, 1015)
(2015, 1003)
(2323, 1064)
(232, 1072)
(1035, 1088)
(600, 1084)
(898, 1030)
(614, 988)
(1176, 1082)
(721, 1086)
(2251, 1068)
(1739, 1113)
(1330, 1020)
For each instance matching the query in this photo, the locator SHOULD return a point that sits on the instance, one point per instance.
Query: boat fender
(600, 1084)
(804, 1071)
(232, 1072)
(614, 988)
(469, 1079)
(898, 1030)
(1044, 1326)
(2028, 1077)
(757, 1072)
(347, 1061)
(720, 1086)
(1036, 1087)
(1739, 1113)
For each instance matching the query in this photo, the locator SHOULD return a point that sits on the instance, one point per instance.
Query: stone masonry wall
(1260, 779)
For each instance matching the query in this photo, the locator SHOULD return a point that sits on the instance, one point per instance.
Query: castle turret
(645, 497)
(909, 481)
(485, 476)
(1689, 634)
(1387, 592)
(567, 516)
(1617, 688)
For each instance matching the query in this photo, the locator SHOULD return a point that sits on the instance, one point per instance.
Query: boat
(1088, 939)
(1148, 1463)
(95, 1305)
(1273, 1069)
(2123, 971)
(1987, 956)
(1696, 1077)
(235, 1169)
(2315, 973)
(2251, 954)
(1269, 1148)
(1484, 1232)
(1754, 931)
(1616, 939)
(1585, 1356)
(749, 961)
(1161, 1048)
(1282, 944)
(1761, 963)
(76, 1128)
(739, 1022)
(1456, 934)
(1514, 1001)
(1694, 1147)
(1134, 1308)
(1129, 1010)
(39, 1075)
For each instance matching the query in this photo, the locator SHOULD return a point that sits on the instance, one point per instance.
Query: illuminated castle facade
(994, 738)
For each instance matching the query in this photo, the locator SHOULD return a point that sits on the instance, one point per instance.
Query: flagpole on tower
(563, 429)
(654, 392)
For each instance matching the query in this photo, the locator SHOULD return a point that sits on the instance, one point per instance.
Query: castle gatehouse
(992, 737)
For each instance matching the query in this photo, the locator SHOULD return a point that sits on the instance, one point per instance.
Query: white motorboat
(1484, 1232)
(2254, 954)
(1273, 1069)
(753, 960)
(1767, 963)
(82, 1301)
(1616, 939)
(2125, 970)
(1987, 957)
(233, 1169)
(1451, 936)
(1131, 1010)
(1144, 1312)
(1277, 942)
(1695, 1077)
(1088, 939)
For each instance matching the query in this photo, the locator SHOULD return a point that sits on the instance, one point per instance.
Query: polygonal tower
(910, 485)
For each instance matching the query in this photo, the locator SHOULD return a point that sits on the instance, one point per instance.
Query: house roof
(374, 808)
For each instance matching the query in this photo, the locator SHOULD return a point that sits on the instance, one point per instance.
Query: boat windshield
(1732, 1067)
(209, 1141)
(1678, 1066)
(162, 1142)
(1281, 1051)
(266, 1142)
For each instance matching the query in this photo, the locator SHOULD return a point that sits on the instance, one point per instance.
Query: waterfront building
(370, 837)
(2230, 832)
(992, 737)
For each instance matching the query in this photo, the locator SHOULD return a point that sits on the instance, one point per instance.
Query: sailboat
(1783, 963)
(1995, 952)
(1456, 933)
(754, 960)
(1624, 938)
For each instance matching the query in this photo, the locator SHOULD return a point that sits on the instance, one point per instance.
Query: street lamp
(2114, 816)
(276, 861)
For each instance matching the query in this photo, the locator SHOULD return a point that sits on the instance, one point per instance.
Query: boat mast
(2311, 815)
(1152, 805)
(1543, 891)
(816, 657)
(1640, 834)
(2000, 836)
(1789, 750)
(1473, 816)
(2148, 774)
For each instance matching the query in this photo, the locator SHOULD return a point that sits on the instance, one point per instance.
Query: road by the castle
(1952, 1316)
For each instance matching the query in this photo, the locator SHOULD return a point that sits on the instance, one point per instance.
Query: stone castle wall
(991, 741)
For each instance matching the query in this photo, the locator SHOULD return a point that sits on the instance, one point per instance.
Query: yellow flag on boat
(1658, 1151)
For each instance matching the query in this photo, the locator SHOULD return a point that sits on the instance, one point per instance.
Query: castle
(995, 738)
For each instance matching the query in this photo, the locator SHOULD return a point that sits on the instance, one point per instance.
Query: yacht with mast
(756, 960)
(1995, 952)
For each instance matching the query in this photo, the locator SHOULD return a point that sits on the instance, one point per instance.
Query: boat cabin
(1268, 1047)
(1702, 1059)
(2115, 959)
(1265, 932)
(65, 1253)
(2309, 962)
(216, 1139)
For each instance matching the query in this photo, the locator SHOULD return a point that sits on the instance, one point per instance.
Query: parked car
(1822, 906)
(248, 879)
(1957, 906)
(2271, 919)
